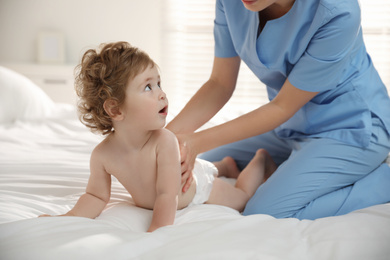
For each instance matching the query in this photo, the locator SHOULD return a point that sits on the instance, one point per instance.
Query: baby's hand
(63, 215)
(45, 215)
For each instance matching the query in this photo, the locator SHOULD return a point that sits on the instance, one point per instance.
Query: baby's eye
(159, 84)
(148, 88)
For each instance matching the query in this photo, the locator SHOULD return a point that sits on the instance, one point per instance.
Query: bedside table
(56, 80)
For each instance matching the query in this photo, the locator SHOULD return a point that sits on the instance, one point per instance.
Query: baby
(121, 97)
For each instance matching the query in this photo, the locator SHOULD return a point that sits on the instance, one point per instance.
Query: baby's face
(146, 105)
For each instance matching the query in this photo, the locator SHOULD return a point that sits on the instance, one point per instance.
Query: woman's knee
(259, 204)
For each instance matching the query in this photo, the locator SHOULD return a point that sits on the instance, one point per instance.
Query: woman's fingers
(187, 161)
(187, 185)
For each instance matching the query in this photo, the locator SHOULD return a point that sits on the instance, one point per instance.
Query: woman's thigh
(316, 167)
(243, 151)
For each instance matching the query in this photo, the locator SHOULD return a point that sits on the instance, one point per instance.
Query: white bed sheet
(44, 168)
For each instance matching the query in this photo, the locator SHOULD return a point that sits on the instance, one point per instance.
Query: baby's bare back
(137, 172)
(140, 182)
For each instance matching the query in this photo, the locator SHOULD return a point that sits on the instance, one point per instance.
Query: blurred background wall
(177, 34)
(83, 23)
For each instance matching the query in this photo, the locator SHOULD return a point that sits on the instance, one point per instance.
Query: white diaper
(204, 173)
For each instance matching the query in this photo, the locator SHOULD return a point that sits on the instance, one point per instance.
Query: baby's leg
(227, 195)
(259, 169)
(256, 172)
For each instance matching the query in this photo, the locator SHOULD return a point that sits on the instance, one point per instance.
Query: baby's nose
(163, 95)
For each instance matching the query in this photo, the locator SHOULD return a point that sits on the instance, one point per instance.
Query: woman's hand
(188, 155)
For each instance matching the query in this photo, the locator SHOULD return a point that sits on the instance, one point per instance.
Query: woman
(327, 123)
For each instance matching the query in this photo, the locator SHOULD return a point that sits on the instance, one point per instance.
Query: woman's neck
(274, 11)
(277, 10)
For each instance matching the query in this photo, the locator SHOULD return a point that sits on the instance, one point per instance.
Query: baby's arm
(168, 181)
(97, 194)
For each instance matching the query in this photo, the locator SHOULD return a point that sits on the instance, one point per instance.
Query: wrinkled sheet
(44, 168)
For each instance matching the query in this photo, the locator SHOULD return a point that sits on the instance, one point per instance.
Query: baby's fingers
(44, 215)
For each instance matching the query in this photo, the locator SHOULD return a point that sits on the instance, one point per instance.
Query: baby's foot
(227, 167)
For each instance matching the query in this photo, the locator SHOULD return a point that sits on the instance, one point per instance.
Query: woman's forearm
(210, 98)
(251, 124)
(201, 108)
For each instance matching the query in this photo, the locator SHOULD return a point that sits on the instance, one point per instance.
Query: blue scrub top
(318, 45)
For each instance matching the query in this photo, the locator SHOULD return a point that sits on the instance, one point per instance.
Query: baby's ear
(112, 109)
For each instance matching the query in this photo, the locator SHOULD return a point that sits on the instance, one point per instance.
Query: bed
(44, 168)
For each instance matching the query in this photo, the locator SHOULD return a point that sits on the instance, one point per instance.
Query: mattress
(44, 168)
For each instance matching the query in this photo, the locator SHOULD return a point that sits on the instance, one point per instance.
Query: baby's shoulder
(165, 139)
(164, 135)
(102, 148)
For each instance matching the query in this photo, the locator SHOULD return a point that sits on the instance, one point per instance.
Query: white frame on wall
(51, 47)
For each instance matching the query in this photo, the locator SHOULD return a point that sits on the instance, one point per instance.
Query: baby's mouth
(164, 110)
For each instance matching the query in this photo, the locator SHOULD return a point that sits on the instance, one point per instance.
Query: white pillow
(21, 99)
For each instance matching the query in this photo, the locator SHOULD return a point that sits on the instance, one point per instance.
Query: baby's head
(103, 74)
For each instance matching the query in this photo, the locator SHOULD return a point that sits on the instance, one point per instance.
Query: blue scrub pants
(317, 177)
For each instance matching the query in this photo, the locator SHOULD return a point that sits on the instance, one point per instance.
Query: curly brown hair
(103, 75)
